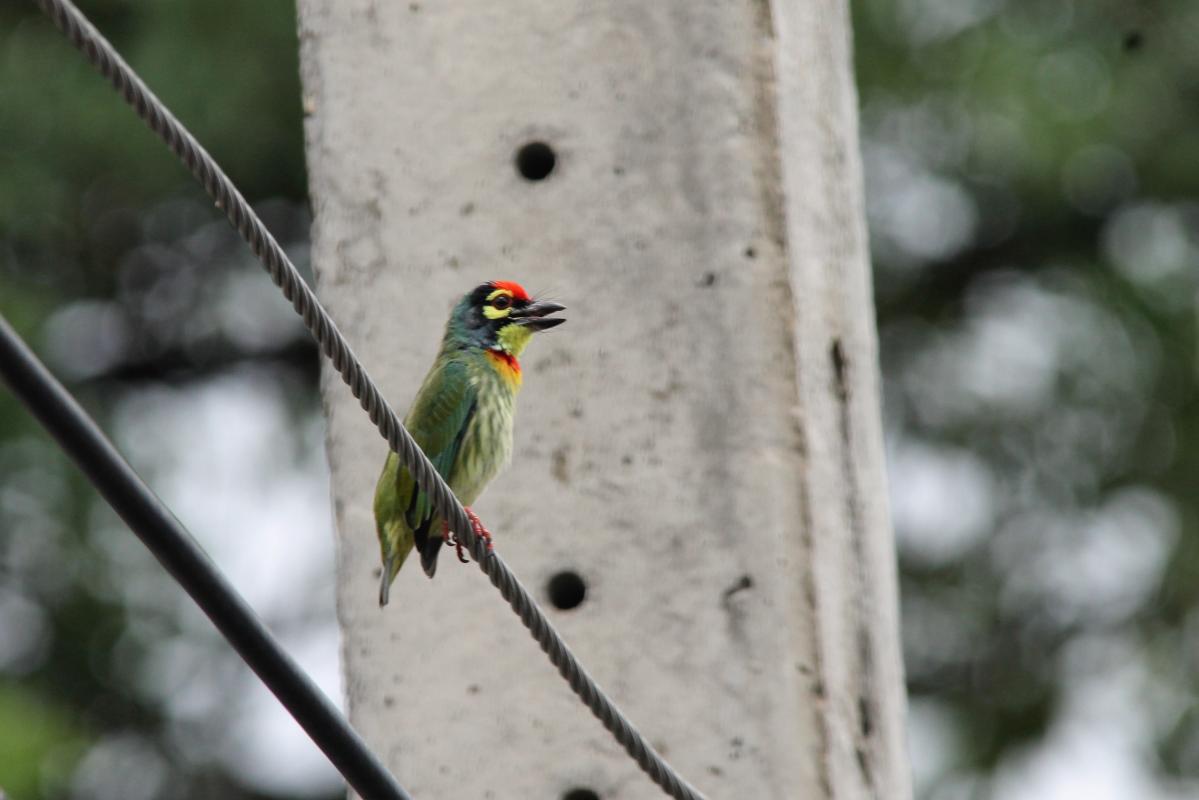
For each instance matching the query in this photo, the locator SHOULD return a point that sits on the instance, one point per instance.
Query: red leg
(477, 526)
(452, 540)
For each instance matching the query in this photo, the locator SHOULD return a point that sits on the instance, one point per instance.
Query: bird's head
(501, 317)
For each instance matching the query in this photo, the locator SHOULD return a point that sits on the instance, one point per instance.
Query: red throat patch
(517, 290)
(505, 364)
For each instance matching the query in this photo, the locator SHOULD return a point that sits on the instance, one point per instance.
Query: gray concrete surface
(700, 442)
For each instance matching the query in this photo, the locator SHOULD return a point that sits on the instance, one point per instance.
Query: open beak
(535, 316)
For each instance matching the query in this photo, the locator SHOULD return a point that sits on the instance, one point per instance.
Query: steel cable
(104, 58)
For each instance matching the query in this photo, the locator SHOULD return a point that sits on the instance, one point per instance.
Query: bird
(462, 418)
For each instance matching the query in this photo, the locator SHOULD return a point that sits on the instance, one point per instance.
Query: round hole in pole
(580, 794)
(535, 161)
(566, 590)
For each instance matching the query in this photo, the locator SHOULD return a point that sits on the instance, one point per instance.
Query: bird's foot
(452, 540)
(477, 526)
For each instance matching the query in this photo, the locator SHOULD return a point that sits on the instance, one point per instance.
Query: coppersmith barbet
(462, 420)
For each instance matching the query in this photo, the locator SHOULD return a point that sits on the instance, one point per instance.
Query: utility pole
(698, 493)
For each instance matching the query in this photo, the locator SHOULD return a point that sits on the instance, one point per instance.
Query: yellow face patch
(513, 338)
(498, 305)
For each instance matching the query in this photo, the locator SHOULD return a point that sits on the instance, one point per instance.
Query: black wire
(178, 552)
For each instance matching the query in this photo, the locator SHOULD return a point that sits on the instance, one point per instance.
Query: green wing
(438, 420)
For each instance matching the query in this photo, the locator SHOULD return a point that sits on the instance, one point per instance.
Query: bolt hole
(535, 161)
(566, 591)
(580, 794)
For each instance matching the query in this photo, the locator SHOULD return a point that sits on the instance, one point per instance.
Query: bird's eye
(501, 302)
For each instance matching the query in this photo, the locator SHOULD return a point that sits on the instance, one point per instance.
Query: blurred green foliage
(80, 168)
(1032, 181)
(1032, 178)
(33, 732)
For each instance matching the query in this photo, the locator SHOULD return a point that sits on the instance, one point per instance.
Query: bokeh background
(1032, 176)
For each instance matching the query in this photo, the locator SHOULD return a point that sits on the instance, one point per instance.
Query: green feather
(438, 421)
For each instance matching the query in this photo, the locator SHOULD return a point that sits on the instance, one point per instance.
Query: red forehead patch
(517, 290)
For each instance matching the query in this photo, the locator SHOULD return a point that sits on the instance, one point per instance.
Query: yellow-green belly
(487, 444)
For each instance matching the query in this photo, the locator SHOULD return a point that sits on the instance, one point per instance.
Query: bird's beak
(535, 316)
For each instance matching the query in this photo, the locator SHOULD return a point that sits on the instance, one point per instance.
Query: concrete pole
(698, 451)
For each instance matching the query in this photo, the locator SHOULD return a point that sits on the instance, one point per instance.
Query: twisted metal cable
(84, 36)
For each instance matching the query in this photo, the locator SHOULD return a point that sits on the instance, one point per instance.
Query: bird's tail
(429, 549)
(390, 568)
